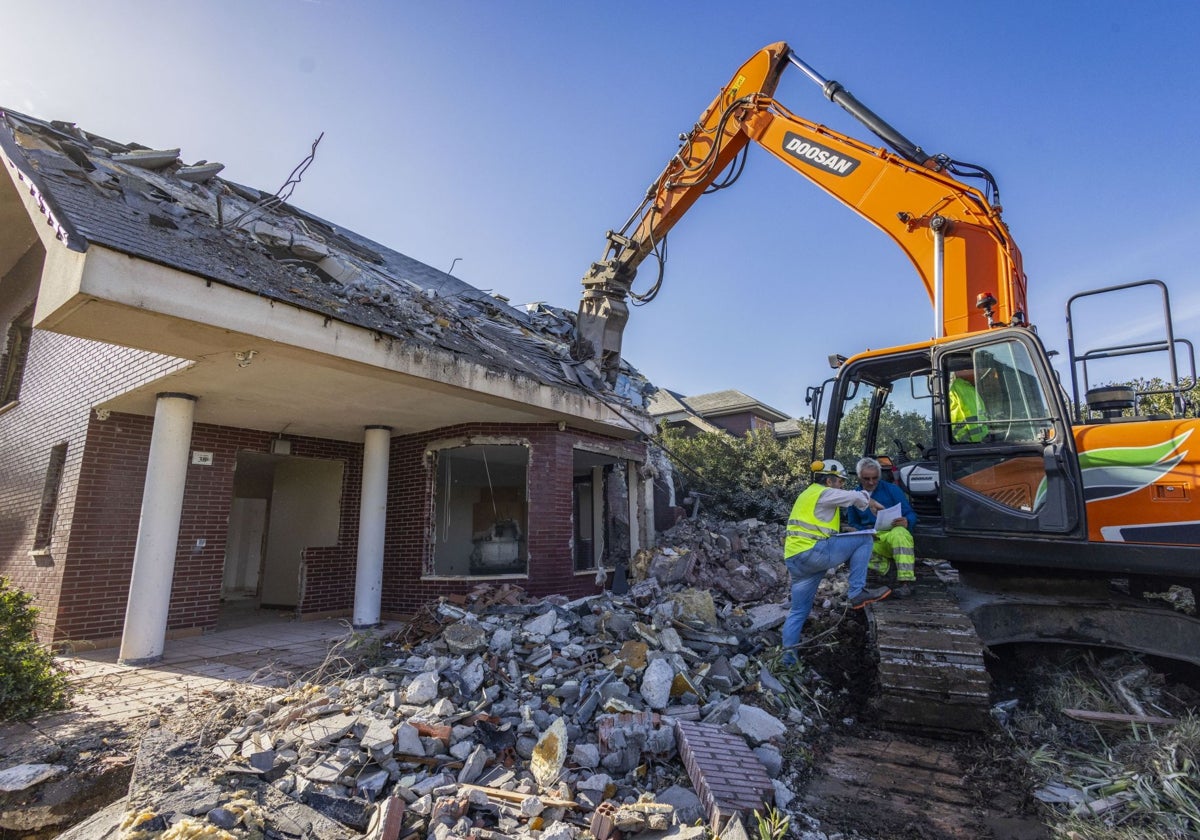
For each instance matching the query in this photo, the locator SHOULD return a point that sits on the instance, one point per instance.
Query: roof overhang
(262, 364)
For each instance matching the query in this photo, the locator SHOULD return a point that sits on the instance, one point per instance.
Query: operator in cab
(967, 413)
(895, 543)
(815, 544)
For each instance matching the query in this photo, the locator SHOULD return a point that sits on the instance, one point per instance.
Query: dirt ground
(866, 783)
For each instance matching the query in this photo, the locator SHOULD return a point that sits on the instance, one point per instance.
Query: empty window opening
(481, 510)
(49, 506)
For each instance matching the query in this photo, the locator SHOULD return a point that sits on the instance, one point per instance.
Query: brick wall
(736, 424)
(63, 378)
(99, 560)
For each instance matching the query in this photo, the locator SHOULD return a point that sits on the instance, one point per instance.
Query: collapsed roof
(148, 204)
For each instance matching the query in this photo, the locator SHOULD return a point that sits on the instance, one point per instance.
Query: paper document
(886, 517)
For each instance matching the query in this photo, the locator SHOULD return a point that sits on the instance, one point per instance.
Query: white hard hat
(830, 466)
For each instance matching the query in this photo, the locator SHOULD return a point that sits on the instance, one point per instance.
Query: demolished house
(209, 397)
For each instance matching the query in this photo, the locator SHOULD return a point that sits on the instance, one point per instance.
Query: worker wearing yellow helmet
(814, 544)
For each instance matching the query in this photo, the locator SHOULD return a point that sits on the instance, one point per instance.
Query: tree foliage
(30, 682)
(754, 476)
(914, 431)
(1160, 403)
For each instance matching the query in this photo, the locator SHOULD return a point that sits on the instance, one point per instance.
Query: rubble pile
(742, 561)
(493, 715)
(552, 717)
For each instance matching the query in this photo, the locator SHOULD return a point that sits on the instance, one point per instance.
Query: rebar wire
(491, 489)
(289, 186)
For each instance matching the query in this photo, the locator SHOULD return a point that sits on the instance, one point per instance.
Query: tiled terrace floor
(271, 653)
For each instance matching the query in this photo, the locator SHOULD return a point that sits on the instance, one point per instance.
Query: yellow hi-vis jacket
(804, 529)
(966, 410)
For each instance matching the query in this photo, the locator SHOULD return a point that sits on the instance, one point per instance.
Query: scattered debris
(496, 715)
(493, 715)
(1118, 719)
(1094, 763)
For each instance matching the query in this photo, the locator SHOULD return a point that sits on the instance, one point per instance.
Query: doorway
(281, 506)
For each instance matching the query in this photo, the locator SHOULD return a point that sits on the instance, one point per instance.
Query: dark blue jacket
(887, 494)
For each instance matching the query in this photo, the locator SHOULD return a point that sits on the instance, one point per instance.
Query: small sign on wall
(204, 459)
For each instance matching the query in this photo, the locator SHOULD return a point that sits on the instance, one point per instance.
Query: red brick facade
(63, 378)
(410, 499)
(99, 560)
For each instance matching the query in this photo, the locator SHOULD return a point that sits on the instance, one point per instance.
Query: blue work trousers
(808, 567)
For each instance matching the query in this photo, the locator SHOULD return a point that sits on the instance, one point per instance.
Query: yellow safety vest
(966, 409)
(804, 530)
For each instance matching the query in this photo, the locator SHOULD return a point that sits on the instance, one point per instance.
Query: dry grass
(1115, 783)
(801, 687)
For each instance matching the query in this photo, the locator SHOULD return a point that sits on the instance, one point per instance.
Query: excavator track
(932, 678)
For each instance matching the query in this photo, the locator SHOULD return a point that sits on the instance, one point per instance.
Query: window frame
(16, 358)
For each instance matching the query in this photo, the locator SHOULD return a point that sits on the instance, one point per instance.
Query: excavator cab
(979, 431)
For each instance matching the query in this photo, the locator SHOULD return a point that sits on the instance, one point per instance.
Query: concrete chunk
(25, 776)
(423, 688)
(656, 683)
(324, 730)
(757, 725)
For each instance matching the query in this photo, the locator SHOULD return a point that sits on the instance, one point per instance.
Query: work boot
(904, 590)
(869, 596)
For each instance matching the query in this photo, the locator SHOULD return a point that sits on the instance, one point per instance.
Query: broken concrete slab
(24, 776)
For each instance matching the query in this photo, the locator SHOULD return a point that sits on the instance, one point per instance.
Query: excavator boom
(952, 234)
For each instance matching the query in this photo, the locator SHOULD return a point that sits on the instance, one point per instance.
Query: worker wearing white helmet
(815, 544)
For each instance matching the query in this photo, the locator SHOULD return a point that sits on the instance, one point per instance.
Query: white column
(633, 486)
(158, 531)
(649, 536)
(372, 522)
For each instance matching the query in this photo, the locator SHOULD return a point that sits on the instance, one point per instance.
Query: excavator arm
(952, 234)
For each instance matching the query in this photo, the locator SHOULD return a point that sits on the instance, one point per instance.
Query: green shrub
(755, 475)
(30, 681)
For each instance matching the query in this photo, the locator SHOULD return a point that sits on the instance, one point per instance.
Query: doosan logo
(818, 155)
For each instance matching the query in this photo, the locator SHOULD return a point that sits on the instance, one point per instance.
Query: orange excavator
(1057, 513)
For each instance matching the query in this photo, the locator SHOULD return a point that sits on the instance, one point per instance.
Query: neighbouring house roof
(150, 205)
(663, 402)
(674, 407)
(719, 403)
(670, 407)
(791, 428)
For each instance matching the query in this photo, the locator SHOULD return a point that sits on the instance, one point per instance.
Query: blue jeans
(808, 567)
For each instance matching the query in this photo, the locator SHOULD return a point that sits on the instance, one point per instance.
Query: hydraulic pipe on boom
(972, 266)
(878, 126)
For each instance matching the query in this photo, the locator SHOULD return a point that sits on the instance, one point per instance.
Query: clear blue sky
(512, 135)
